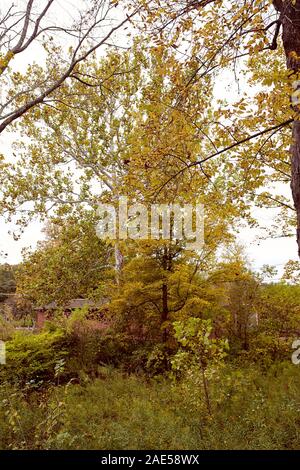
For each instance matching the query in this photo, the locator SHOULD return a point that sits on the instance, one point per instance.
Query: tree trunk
(290, 20)
(205, 386)
(295, 177)
(165, 306)
(165, 309)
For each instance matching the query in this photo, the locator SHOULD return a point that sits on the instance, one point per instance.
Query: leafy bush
(33, 360)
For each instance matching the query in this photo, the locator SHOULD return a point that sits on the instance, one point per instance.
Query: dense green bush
(73, 348)
(33, 360)
(89, 346)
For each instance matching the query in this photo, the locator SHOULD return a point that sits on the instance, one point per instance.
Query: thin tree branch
(226, 149)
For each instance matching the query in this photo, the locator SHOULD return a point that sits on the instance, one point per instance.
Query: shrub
(33, 360)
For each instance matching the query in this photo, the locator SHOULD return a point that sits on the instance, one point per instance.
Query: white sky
(270, 251)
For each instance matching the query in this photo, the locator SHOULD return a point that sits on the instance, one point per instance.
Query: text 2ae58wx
(171, 459)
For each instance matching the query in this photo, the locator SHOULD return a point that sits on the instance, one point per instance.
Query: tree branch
(226, 149)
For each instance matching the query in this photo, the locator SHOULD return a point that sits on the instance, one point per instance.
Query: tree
(198, 350)
(240, 289)
(289, 19)
(7, 281)
(71, 263)
(279, 310)
(219, 35)
(67, 44)
(243, 300)
(118, 141)
(161, 283)
(292, 272)
(123, 140)
(244, 31)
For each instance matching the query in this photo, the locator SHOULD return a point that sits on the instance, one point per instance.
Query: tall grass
(250, 410)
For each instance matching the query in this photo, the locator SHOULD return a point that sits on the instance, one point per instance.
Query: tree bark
(165, 309)
(165, 305)
(295, 175)
(290, 20)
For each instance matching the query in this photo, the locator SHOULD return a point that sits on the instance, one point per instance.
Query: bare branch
(85, 32)
(22, 46)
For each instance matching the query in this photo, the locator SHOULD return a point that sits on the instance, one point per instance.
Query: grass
(251, 410)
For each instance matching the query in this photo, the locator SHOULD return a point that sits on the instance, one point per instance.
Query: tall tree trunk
(290, 20)
(205, 386)
(165, 310)
(295, 179)
(165, 305)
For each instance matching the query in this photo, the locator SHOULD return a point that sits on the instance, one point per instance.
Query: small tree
(198, 349)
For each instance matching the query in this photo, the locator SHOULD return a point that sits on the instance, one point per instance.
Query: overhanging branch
(226, 149)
